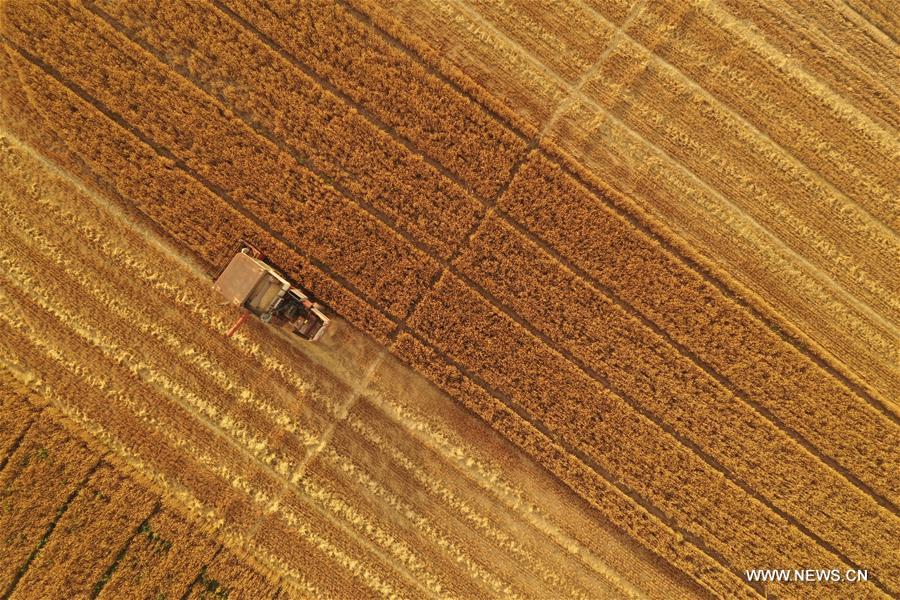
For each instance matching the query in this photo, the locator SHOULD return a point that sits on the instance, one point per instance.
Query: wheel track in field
(195, 305)
(213, 462)
(88, 335)
(164, 152)
(182, 397)
(390, 131)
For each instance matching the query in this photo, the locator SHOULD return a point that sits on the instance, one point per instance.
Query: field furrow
(151, 423)
(227, 575)
(16, 417)
(724, 336)
(45, 469)
(880, 14)
(646, 525)
(146, 546)
(239, 475)
(143, 379)
(484, 55)
(273, 394)
(473, 541)
(788, 26)
(562, 35)
(101, 517)
(232, 486)
(758, 260)
(235, 66)
(494, 467)
(161, 560)
(791, 284)
(753, 173)
(170, 141)
(155, 184)
(432, 571)
(618, 276)
(253, 429)
(345, 478)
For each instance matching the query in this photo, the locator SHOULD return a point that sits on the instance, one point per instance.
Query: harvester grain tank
(259, 289)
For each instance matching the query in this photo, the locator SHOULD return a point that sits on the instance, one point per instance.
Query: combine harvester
(258, 288)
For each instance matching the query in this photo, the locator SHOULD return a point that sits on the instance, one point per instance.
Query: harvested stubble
(125, 163)
(600, 423)
(605, 339)
(225, 151)
(78, 521)
(149, 374)
(751, 161)
(621, 507)
(815, 127)
(803, 260)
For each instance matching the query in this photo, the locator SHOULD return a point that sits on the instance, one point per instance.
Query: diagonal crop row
(150, 423)
(788, 25)
(451, 498)
(451, 552)
(230, 484)
(225, 151)
(813, 124)
(713, 328)
(166, 142)
(163, 554)
(605, 338)
(399, 34)
(171, 195)
(93, 309)
(252, 427)
(227, 460)
(227, 575)
(421, 556)
(228, 62)
(16, 418)
(444, 123)
(89, 237)
(755, 174)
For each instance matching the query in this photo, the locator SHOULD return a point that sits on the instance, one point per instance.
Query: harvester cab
(251, 283)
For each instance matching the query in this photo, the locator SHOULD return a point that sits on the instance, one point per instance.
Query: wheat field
(617, 282)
